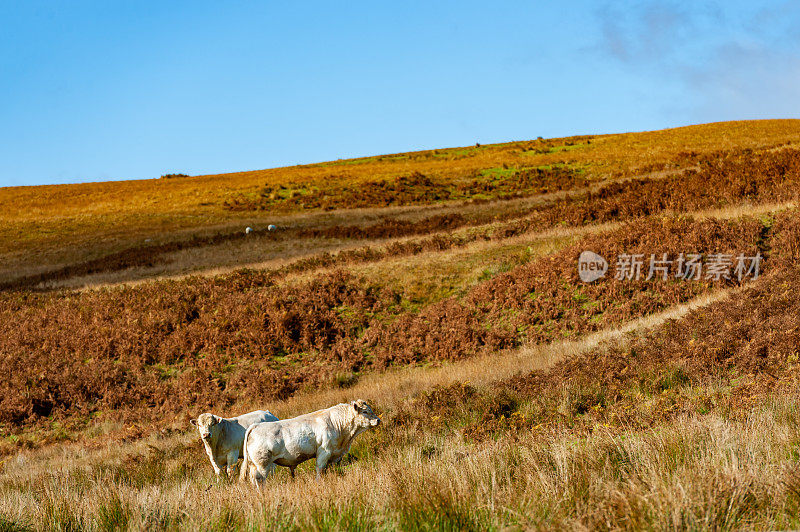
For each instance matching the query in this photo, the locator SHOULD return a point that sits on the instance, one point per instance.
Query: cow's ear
(214, 419)
(355, 406)
(193, 422)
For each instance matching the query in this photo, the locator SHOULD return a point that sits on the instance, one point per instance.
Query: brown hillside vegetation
(726, 357)
(441, 286)
(158, 349)
(717, 180)
(44, 228)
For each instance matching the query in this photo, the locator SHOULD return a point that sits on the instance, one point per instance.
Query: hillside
(442, 286)
(180, 225)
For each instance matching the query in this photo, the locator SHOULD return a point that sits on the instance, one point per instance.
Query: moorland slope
(442, 286)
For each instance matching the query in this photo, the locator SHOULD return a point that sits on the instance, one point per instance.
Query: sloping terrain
(117, 225)
(441, 286)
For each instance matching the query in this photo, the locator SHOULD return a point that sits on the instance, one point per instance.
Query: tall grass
(697, 472)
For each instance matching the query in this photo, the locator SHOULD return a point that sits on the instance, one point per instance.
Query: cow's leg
(259, 472)
(291, 470)
(323, 455)
(260, 476)
(217, 470)
(232, 458)
(219, 466)
(256, 477)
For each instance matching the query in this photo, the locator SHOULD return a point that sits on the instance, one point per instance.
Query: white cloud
(746, 82)
(730, 67)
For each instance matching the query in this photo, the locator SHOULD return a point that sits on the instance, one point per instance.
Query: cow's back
(299, 436)
(235, 428)
(258, 416)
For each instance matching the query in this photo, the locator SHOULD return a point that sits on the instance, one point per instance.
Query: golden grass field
(441, 287)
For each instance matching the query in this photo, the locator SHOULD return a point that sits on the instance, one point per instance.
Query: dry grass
(746, 209)
(21, 263)
(433, 275)
(702, 473)
(211, 261)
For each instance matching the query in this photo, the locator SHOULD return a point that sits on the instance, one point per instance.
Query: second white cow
(325, 435)
(223, 437)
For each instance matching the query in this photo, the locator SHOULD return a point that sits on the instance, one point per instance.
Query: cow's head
(365, 417)
(205, 424)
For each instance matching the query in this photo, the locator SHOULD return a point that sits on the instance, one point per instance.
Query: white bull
(325, 435)
(223, 437)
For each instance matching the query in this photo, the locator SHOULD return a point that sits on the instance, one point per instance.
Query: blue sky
(101, 90)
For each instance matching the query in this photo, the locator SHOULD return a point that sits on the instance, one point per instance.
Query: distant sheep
(272, 227)
(248, 230)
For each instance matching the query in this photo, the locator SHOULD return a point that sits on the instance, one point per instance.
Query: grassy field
(442, 287)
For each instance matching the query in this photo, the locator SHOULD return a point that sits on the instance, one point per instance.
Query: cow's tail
(245, 457)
